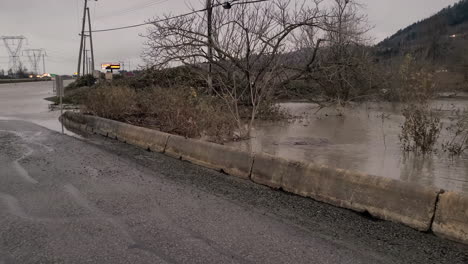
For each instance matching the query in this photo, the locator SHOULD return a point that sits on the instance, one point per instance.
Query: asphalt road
(95, 200)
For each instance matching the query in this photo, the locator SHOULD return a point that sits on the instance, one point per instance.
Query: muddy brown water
(353, 140)
(358, 139)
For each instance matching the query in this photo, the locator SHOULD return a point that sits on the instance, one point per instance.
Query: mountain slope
(441, 39)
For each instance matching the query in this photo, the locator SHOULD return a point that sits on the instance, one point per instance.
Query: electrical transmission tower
(13, 45)
(35, 56)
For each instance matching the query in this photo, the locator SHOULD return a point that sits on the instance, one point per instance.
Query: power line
(231, 3)
(132, 9)
(151, 22)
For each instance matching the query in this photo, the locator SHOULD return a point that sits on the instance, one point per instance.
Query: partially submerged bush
(458, 132)
(270, 110)
(420, 130)
(422, 126)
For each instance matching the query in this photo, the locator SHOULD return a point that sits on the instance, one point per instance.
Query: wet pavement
(25, 101)
(95, 200)
(359, 139)
(67, 200)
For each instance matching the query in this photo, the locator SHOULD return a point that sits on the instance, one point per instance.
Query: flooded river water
(359, 139)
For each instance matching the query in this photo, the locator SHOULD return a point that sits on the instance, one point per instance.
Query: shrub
(113, 102)
(82, 81)
(420, 130)
(458, 132)
(182, 111)
(171, 77)
(174, 110)
(410, 82)
(270, 110)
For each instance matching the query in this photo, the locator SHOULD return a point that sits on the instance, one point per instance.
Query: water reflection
(365, 139)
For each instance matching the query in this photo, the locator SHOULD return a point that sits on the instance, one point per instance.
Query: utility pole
(60, 92)
(91, 42)
(89, 65)
(84, 54)
(85, 62)
(82, 37)
(209, 14)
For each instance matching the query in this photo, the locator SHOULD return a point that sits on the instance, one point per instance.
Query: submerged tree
(346, 62)
(344, 68)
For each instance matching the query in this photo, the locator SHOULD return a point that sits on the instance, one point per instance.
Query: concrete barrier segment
(383, 198)
(451, 217)
(230, 160)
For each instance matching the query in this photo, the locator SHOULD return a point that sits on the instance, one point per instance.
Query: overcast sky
(54, 25)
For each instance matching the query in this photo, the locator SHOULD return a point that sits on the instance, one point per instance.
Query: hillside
(441, 39)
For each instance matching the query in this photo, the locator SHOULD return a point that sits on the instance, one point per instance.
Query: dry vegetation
(218, 85)
(458, 131)
(422, 126)
(257, 49)
(178, 110)
(415, 88)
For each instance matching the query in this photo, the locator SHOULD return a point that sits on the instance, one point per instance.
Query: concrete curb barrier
(73, 117)
(451, 218)
(265, 173)
(74, 120)
(383, 198)
(142, 137)
(229, 160)
(422, 208)
(103, 127)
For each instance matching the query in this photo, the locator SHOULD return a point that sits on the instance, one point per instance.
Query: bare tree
(339, 65)
(346, 62)
(250, 44)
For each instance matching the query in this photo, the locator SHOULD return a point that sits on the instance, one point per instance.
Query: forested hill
(441, 38)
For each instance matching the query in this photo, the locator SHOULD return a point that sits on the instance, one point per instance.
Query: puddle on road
(25, 101)
(360, 140)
